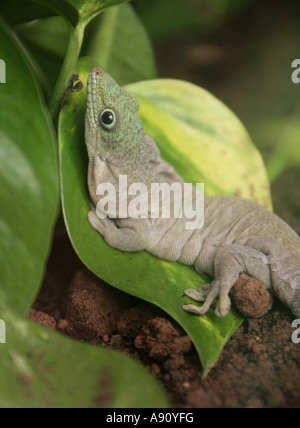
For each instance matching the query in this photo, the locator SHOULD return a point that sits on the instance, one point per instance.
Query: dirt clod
(132, 320)
(88, 307)
(43, 319)
(62, 325)
(251, 297)
(160, 340)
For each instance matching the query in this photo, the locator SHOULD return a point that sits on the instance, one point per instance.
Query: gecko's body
(238, 235)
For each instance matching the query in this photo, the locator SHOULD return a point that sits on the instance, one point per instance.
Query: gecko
(238, 235)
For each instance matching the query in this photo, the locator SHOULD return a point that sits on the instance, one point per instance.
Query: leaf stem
(68, 68)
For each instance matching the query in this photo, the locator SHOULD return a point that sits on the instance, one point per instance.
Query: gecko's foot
(207, 294)
(97, 223)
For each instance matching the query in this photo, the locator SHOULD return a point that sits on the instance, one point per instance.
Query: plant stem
(68, 68)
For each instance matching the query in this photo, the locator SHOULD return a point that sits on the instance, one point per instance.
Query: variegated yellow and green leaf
(202, 139)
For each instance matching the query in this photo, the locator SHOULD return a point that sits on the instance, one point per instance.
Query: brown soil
(259, 366)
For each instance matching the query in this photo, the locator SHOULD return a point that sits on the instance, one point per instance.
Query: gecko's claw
(207, 293)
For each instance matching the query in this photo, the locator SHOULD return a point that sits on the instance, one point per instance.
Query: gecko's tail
(295, 304)
(284, 263)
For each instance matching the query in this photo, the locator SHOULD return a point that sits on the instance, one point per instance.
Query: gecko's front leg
(132, 236)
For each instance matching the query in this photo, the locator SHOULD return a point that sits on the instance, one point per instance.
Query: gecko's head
(112, 120)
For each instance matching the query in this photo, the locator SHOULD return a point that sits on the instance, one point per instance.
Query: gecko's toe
(195, 295)
(199, 295)
(193, 309)
(224, 306)
(92, 218)
(206, 294)
(96, 222)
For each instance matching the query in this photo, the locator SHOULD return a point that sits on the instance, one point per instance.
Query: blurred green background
(241, 51)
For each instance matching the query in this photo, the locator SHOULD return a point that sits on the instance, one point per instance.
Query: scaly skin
(238, 235)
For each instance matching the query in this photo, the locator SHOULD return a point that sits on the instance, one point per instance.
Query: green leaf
(121, 45)
(28, 180)
(186, 122)
(88, 9)
(46, 41)
(17, 12)
(20, 11)
(85, 9)
(42, 369)
(287, 153)
(64, 8)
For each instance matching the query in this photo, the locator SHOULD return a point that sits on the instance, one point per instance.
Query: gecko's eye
(108, 119)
